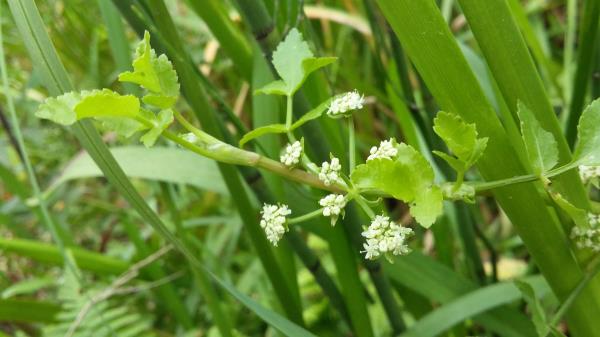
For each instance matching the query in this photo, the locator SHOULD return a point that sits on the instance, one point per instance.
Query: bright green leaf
(161, 122)
(263, 130)
(27, 287)
(313, 64)
(294, 61)
(578, 215)
(125, 127)
(60, 109)
(455, 163)
(405, 178)
(427, 206)
(274, 88)
(537, 311)
(460, 137)
(314, 113)
(156, 74)
(540, 144)
(587, 151)
(107, 103)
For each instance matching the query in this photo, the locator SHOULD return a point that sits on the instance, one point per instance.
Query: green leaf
(455, 163)
(460, 137)
(274, 88)
(578, 215)
(161, 122)
(314, 113)
(427, 206)
(294, 61)
(60, 109)
(125, 127)
(263, 130)
(155, 164)
(107, 103)
(587, 150)
(540, 144)
(537, 311)
(408, 177)
(156, 74)
(26, 287)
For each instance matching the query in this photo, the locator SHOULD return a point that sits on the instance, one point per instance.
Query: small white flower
(273, 221)
(386, 150)
(593, 219)
(351, 100)
(588, 238)
(333, 205)
(384, 236)
(588, 173)
(291, 156)
(330, 172)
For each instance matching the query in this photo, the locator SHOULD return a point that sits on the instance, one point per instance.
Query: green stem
(306, 216)
(351, 145)
(521, 179)
(593, 269)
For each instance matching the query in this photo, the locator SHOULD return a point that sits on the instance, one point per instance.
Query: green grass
(92, 220)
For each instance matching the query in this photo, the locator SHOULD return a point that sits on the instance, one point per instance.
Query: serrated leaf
(156, 74)
(107, 103)
(294, 61)
(403, 178)
(274, 88)
(541, 146)
(161, 122)
(537, 311)
(263, 130)
(314, 113)
(428, 205)
(60, 109)
(587, 151)
(460, 137)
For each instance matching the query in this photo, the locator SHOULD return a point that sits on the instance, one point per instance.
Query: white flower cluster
(333, 205)
(384, 236)
(330, 172)
(588, 237)
(291, 156)
(587, 173)
(273, 221)
(349, 101)
(386, 150)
